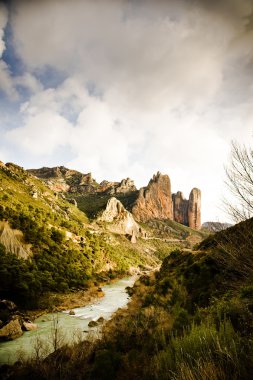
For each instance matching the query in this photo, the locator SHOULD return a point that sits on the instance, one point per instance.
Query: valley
(51, 245)
(189, 314)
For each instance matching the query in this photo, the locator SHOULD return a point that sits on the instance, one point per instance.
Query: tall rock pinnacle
(194, 209)
(154, 201)
(180, 208)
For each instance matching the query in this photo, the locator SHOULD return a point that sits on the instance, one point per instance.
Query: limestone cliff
(155, 200)
(194, 209)
(120, 220)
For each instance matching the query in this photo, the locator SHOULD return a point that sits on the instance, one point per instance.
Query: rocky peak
(155, 200)
(194, 210)
(126, 185)
(108, 187)
(114, 210)
(47, 173)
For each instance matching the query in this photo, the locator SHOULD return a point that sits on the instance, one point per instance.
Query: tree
(239, 180)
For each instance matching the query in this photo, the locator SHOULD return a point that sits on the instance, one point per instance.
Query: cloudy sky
(128, 87)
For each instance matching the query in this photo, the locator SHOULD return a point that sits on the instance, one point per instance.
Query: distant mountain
(215, 226)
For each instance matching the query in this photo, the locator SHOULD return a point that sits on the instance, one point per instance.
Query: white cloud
(42, 133)
(6, 84)
(29, 82)
(139, 60)
(3, 22)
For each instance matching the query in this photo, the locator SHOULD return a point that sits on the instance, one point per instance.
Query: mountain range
(155, 201)
(63, 230)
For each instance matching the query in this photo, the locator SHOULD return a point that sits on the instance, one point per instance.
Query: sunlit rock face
(155, 200)
(120, 220)
(194, 209)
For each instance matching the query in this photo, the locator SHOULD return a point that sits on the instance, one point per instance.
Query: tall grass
(202, 352)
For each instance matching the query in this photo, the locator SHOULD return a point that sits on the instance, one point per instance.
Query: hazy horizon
(128, 88)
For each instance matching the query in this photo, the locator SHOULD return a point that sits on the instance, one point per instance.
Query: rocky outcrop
(188, 212)
(60, 179)
(126, 185)
(194, 209)
(154, 201)
(29, 326)
(108, 187)
(13, 323)
(120, 220)
(13, 241)
(180, 208)
(92, 324)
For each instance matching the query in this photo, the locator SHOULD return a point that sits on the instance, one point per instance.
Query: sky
(124, 88)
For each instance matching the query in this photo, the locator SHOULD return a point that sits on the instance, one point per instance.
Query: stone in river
(11, 331)
(29, 326)
(92, 324)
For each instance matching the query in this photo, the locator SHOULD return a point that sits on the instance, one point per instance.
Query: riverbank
(70, 327)
(56, 302)
(53, 302)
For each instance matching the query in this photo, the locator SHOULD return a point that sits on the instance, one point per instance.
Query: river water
(69, 328)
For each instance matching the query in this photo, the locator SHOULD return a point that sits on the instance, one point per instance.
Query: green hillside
(47, 244)
(65, 252)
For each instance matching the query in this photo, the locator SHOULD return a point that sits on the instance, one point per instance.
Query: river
(70, 328)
